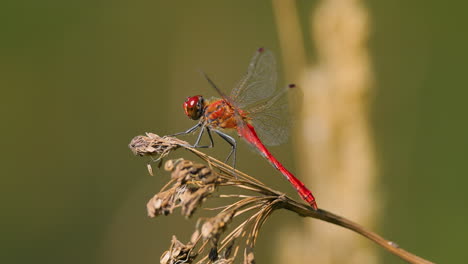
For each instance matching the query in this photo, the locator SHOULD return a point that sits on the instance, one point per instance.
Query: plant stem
(343, 222)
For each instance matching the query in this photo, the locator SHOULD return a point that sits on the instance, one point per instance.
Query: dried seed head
(152, 144)
(178, 253)
(192, 199)
(161, 204)
(185, 171)
(215, 226)
(181, 170)
(200, 172)
(194, 183)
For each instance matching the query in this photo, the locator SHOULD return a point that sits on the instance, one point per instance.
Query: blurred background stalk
(336, 153)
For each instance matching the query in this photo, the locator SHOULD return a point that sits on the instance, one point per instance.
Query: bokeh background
(80, 79)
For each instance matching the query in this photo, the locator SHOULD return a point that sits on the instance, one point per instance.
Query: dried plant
(217, 239)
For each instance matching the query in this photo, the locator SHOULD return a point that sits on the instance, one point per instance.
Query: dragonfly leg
(211, 138)
(197, 143)
(190, 130)
(231, 142)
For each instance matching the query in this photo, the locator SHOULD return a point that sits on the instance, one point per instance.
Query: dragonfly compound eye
(193, 107)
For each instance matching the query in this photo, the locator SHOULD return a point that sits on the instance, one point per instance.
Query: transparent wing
(258, 83)
(271, 119)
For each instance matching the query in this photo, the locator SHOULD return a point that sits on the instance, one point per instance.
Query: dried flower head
(189, 186)
(187, 171)
(178, 253)
(192, 184)
(152, 144)
(215, 226)
(161, 204)
(193, 198)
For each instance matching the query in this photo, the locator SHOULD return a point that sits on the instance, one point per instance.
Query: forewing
(259, 82)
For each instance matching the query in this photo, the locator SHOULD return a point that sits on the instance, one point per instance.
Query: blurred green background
(80, 79)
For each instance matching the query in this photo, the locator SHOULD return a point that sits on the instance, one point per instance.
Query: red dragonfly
(254, 105)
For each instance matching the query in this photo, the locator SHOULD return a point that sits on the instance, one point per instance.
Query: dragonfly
(255, 105)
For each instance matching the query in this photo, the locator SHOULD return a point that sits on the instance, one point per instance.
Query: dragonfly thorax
(194, 106)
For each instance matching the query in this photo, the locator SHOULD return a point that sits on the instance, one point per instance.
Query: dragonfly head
(194, 106)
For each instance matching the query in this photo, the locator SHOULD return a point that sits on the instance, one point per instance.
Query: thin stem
(262, 218)
(343, 222)
(235, 196)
